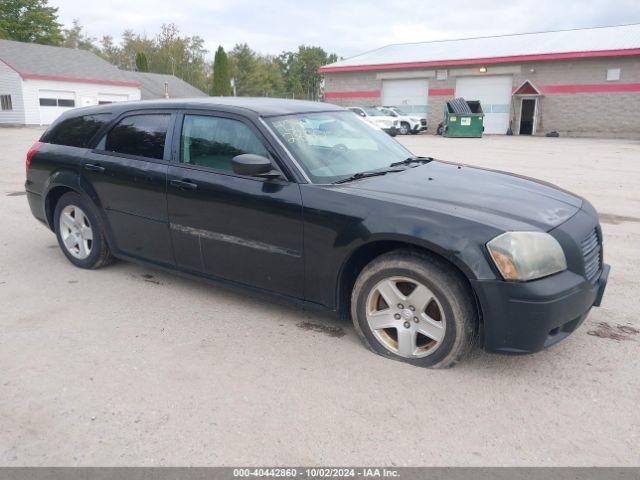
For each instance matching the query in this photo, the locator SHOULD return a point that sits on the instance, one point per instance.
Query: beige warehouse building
(582, 82)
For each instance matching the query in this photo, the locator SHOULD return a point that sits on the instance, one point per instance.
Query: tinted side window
(142, 135)
(214, 141)
(77, 131)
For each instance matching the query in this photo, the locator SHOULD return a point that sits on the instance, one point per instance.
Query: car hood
(499, 199)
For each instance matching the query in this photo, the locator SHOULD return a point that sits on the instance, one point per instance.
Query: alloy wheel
(405, 317)
(76, 232)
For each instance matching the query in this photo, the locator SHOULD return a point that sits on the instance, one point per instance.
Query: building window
(5, 101)
(613, 74)
(57, 102)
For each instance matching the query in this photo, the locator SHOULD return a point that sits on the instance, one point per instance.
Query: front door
(127, 171)
(527, 116)
(243, 229)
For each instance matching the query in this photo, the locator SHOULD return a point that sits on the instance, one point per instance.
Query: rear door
(127, 170)
(243, 229)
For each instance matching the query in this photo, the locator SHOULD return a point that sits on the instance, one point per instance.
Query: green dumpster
(463, 118)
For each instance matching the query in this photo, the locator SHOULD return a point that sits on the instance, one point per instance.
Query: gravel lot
(132, 366)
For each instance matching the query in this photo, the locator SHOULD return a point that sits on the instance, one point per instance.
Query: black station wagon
(307, 202)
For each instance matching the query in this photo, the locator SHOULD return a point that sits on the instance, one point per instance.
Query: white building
(39, 82)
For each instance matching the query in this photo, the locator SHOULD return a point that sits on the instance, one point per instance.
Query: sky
(346, 27)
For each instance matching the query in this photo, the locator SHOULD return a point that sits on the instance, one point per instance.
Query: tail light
(32, 151)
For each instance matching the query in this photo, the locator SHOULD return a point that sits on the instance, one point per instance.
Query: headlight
(527, 255)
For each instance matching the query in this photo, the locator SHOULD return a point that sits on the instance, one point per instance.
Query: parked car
(408, 123)
(379, 119)
(305, 202)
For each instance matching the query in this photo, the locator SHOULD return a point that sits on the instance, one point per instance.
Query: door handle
(183, 184)
(94, 168)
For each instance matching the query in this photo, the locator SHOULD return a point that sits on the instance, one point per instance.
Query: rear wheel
(79, 232)
(413, 307)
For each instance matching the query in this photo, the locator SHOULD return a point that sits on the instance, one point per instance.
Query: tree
(74, 37)
(255, 75)
(167, 52)
(300, 71)
(221, 84)
(29, 21)
(111, 52)
(142, 65)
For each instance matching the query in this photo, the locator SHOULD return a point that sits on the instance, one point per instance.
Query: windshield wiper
(371, 173)
(410, 160)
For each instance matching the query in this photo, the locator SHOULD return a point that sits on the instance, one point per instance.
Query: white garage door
(53, 103)
(494, 93)
(409, 95)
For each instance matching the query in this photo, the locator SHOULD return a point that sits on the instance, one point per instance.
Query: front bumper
(527, 317)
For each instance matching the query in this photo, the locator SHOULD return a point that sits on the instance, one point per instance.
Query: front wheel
(415, 308)
(404, 128)
(79, 232)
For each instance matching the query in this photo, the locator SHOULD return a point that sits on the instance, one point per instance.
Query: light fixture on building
(483, 69)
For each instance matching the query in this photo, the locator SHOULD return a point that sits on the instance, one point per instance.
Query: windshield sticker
(290, 130)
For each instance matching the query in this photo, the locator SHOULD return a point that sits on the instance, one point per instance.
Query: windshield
(374, 112)
(400, 111)
(331, 146)
(388, 112)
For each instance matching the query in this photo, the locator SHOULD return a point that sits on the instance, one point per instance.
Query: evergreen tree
(221, 84)
(142, 65)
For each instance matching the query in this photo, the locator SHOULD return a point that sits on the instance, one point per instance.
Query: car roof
(261, 106)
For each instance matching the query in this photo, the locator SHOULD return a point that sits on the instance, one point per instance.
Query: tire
(80, 232)
(448, 314)
(440, 129)
(405, 128)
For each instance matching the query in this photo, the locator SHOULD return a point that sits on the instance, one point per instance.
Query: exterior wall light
(483, 69)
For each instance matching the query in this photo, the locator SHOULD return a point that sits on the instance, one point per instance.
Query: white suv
(408, 123)
(381, 120)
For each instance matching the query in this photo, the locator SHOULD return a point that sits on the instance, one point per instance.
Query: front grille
(592, 254)
(423, 121)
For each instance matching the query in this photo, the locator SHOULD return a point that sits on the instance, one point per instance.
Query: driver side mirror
(253, 166)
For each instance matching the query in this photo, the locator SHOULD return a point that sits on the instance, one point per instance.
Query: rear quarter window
(76, 131)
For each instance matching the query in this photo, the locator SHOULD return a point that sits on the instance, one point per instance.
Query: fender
(64, 177)
(436, 233)
(71, 179)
